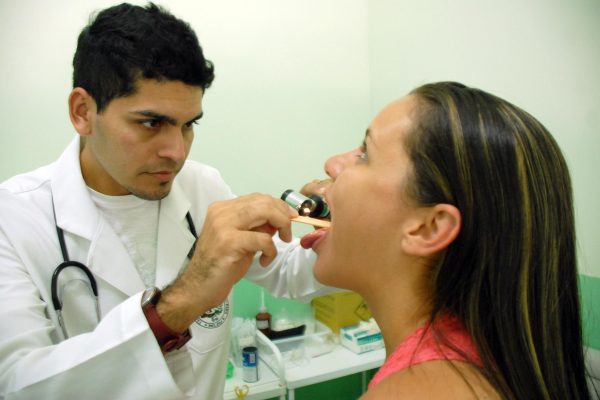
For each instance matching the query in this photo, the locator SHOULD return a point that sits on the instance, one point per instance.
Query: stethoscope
(92, 281)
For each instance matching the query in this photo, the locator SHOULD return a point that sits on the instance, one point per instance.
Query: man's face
(139, 143)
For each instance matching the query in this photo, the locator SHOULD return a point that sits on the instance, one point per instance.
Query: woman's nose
(336, 164)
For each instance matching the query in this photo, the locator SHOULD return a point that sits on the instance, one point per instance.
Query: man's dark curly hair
(125, 43)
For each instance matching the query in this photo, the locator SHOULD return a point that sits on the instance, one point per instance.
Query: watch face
(148, 295)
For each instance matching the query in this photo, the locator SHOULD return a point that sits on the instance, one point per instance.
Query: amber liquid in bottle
(263, 318)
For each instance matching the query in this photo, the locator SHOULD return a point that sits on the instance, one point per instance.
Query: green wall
(590, 294)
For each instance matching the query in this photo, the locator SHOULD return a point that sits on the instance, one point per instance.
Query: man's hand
(316, 186)
(233, 232)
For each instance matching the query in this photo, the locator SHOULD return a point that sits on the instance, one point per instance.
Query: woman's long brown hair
(511, 274)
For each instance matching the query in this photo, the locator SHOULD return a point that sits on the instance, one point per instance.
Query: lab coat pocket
(79, 308)
(211, 329)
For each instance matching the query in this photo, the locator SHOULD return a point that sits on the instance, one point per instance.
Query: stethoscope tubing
(76, 264)
(56, 303)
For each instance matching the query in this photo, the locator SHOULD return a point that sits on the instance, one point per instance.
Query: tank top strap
(447, 340)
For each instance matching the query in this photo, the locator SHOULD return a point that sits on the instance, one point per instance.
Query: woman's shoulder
(439, 379)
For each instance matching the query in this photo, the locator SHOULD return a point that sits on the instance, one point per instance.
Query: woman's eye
(363, 155)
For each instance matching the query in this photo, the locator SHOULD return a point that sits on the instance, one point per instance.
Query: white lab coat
(117, 358)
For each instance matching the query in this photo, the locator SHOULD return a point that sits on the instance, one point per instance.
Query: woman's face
(368, 202)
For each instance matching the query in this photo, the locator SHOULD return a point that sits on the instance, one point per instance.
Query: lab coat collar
(74, 209)
(76, 213)
(174, 237)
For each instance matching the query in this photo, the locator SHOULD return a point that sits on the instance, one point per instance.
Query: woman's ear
(81, 107)
(431, 230)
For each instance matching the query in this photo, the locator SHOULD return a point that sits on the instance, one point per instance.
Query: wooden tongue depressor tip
(319, 223)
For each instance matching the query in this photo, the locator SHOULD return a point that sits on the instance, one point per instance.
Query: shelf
(270, 383)
(339, 362)
(279, 374)
(268, 386)
(314, 365)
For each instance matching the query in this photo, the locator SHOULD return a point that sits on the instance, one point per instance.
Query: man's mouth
(163, 176)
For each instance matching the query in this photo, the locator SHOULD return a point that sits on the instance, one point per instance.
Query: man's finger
(317, 186)
(253, 242)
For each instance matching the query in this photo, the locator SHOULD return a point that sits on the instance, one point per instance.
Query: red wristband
(166, 338)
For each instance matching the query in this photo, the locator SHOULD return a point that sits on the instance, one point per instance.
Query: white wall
(543, 55)
(291, 84)
(300, 80)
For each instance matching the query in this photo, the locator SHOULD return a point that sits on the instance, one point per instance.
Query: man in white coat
(123, 201)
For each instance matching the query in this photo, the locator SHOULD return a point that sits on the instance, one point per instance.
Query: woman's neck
(399, 308)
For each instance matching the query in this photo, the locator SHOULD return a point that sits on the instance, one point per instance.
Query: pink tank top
(418, 348)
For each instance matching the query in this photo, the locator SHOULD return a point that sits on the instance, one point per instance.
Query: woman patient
(454, 221)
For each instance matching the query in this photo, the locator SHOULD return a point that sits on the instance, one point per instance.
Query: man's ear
(431, 230)
(81, 109)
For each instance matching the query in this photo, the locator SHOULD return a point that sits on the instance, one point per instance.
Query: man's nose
(336, 164)
(174, 145)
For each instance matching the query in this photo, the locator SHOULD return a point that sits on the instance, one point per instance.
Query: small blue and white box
(362, 337)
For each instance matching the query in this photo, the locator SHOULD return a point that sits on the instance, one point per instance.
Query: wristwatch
(166, 338)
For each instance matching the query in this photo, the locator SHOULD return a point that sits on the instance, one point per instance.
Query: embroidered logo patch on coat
(215, 317)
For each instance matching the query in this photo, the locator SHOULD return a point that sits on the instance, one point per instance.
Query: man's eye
(152, 123)
(191, 124)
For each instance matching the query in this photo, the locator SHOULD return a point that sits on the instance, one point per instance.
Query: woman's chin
(327, 274)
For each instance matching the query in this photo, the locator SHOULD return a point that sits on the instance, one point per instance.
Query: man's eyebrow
(155, 116)
(164, 118)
